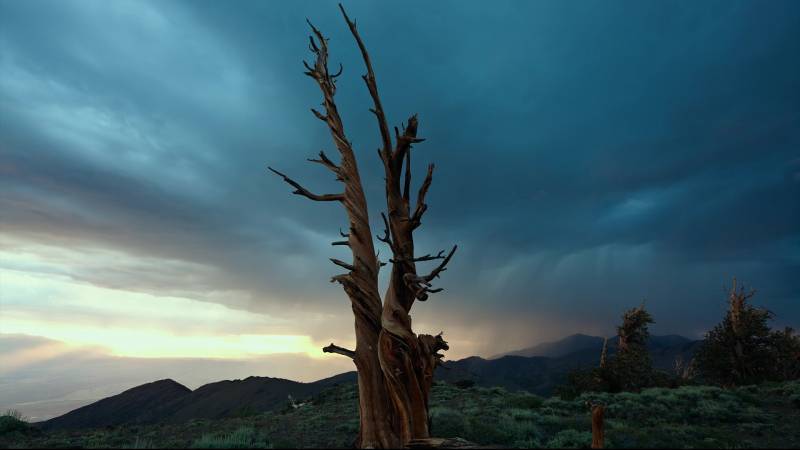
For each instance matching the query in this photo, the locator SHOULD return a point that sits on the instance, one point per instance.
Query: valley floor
(765, 416)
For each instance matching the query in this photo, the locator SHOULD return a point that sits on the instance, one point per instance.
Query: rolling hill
(167, 401)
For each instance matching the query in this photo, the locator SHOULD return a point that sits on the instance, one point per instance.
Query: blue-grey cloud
(588, 155)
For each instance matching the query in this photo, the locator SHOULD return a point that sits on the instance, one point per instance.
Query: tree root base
(444, 443)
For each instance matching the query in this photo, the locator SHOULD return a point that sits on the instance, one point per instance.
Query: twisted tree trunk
(598, 430)
(395, 366)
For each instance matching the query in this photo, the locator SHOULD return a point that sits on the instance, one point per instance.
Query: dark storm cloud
(588, 154)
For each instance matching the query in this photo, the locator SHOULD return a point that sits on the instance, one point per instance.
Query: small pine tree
(743, 350)
(634, 332)
(786, 348)
(630, 369)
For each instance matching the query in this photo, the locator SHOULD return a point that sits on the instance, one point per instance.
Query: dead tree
(633, 331)
(395, 366)
(604, 354)
(598, 430)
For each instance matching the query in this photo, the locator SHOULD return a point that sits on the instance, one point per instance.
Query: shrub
(742, 349)
(570, 439)
(142, 443)
(12, 421)
(464, 384)
(447, 422)
(243, 437)
(525, 401)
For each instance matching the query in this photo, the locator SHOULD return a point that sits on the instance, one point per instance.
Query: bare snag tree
(395, 366)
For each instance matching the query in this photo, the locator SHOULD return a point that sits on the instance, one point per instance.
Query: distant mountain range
(167, 401)
(538, 369)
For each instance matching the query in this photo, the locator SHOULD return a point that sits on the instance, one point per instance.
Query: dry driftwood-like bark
(604, 354)
(598, 433)
(395, 366)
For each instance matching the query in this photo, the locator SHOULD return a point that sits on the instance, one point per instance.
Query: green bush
(12, 421)
(689, 416)
(447, 422)
(742, 349)
(525, 401)
(570, 439)
(244, 437)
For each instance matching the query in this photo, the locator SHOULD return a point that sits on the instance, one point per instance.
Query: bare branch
(341, 278)
(407, 184)
(336, 75)
(325, 161)
(340, 243)
(378, 259)
(319, 115)
(405, 140)
(387, 235)
(300, 190)
(339, 350)
(369, 79)
(441, 267)
(421, 285)
(423, 191)
(423, 258)
(341, 263)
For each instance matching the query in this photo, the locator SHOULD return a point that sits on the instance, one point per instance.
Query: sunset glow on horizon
(41, 299)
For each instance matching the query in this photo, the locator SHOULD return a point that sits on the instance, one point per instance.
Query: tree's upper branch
(372, 86)
(416, 218)
(300, 190)
(420, 285)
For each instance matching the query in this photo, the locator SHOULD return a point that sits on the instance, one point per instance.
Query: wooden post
(598, 435)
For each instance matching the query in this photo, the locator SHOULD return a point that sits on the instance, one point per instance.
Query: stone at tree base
(445, 443)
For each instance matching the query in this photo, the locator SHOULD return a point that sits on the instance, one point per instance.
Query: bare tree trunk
(598, 432)
(604, 354)
(395, 366)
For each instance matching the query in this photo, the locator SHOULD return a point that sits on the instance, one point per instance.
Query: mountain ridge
(167, 401)
(580, 342)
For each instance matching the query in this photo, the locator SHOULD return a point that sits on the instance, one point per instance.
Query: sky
(589, 155)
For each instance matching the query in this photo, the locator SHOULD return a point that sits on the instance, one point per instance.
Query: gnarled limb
(441, 267)
(416, 219)
(339, 350)
(423, 258)
(369, 79)
(300, 190)
(325, 161)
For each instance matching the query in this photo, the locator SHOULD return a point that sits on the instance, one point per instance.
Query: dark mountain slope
(169, 402)
(132, 406)
(514, 373)
(580, 343)
(253, 394)
(557, 349)
(540, 374)
(166, 401)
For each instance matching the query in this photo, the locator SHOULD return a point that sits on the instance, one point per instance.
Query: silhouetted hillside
(135, 405)
(169, 402)
(559, 348)
(549, 363)
(763, 416)
(166, 401)
(243, 397)
(593, 344)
